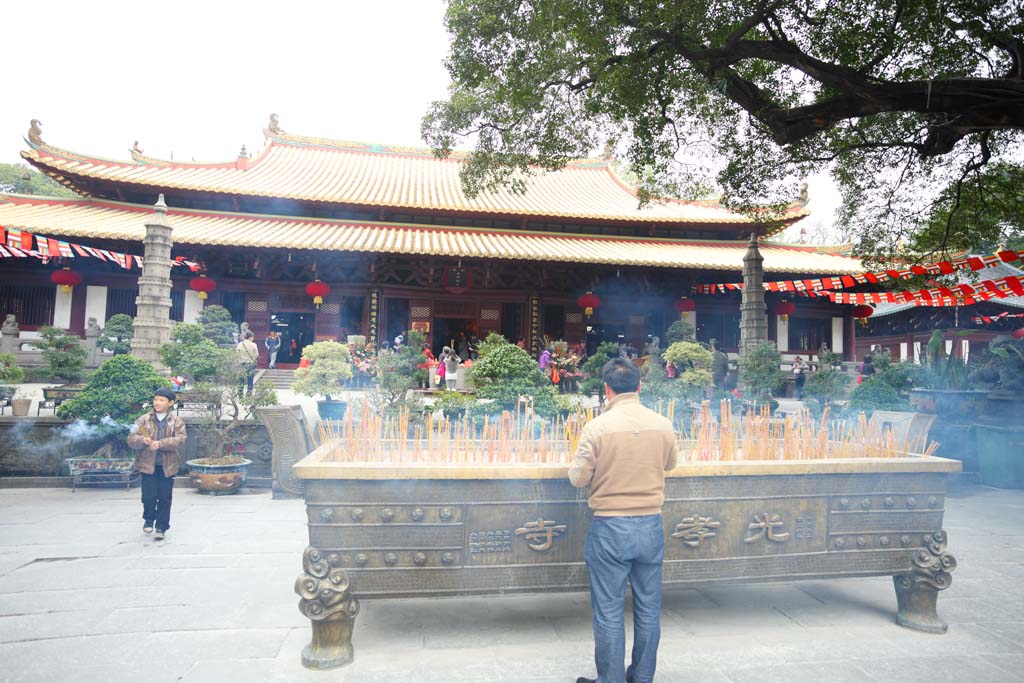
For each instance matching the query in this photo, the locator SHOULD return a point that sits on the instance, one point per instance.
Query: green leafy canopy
(915, 107)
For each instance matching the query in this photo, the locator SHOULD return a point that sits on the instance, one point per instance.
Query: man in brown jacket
(623, 455)
(157, 436)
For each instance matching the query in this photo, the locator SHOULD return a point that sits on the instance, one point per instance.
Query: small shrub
(10, 373)
(759, 370)
(328, 368)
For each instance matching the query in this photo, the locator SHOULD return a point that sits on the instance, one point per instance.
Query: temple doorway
(296, 330)
(449, 331)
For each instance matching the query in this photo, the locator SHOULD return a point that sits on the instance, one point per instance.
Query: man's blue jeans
(618, 548)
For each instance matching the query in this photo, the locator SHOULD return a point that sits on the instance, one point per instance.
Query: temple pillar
(153, 317)
(753, 313)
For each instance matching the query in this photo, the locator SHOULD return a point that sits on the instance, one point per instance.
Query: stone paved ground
(84, 596)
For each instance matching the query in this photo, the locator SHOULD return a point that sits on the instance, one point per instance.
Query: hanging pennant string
(973, 263)
(15, 243)
(955, 295)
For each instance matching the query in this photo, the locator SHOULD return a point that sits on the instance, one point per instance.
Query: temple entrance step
(280, 379)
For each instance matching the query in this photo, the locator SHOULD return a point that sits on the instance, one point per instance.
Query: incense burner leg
(918, 591)
(326, 599)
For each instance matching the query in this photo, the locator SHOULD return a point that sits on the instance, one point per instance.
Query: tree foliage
(117, 334)
(897, 98)
(217, 325)
(191, 354)
(22, 179)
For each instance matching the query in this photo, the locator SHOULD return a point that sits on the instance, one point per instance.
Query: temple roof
(102, 219)
(336, 172)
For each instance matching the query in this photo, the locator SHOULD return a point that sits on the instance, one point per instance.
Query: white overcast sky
(199, 79)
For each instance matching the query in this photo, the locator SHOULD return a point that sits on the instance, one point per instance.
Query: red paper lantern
(318, 290)
(203, 285)
(1018, 334)
(66, 279)
(862, 313)
(784, 309)
(684, 306)
(588, 302)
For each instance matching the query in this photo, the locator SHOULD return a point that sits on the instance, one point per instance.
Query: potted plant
(454, 404)
(503, 373)
(114, 397)
(999, 441)
(328, 368)
(20, 404)
(217, 381)
(947, 392)
(692, 364)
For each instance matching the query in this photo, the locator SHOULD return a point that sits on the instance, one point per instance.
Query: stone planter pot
(217, 480)
(1000, 456)
(331, 410)
(20, 406)
(961, 404)
(384, 531)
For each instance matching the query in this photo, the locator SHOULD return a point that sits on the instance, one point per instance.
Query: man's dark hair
(621, 375)
(166, 393)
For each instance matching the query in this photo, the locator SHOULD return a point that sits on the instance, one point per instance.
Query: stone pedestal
(753, 314)
(153, 319)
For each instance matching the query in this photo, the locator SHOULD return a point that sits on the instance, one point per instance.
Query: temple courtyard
(86, 596)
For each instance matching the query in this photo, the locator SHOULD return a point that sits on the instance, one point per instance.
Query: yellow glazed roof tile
(100, 219)
(311, 169)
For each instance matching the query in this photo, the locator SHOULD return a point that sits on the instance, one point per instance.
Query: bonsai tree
(827, 385)
(592, 382)
(759, 370)
(192, 354)
(116, 336)
(217, 325)
(680, 330)
(63, 353)
(693, 366)
(328, 367)
(397, 373)
(504, 372)
(115, 395)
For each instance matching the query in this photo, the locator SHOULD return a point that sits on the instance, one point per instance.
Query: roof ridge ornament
(35, 132)
(273, 128)
(242, 163)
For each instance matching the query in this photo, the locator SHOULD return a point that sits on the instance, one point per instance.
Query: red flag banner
(964, 295)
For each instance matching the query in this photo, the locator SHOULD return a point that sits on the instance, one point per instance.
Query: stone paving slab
(85, 596)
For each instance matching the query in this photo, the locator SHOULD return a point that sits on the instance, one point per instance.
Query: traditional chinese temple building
(400, 246)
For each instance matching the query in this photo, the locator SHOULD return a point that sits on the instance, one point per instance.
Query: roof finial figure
(243, 154)
(273, 128)
(35, 132)
(136, 151)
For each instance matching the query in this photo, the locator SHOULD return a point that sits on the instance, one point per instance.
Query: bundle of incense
(517, 438)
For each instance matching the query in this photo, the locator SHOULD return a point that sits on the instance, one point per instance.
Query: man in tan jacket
(623, 455)
(157, 436)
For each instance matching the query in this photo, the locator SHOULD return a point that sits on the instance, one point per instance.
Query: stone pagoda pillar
(753, 313)
(153, 318)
